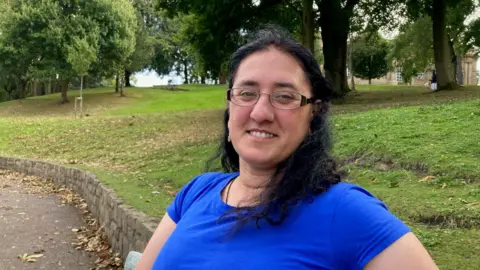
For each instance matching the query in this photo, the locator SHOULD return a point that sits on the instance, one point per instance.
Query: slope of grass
(200, 97)
(149, 101)
(442, 138)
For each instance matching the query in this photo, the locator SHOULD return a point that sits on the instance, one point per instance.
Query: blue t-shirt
(343, 228)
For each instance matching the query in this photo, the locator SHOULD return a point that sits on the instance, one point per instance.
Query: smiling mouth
(261, 134)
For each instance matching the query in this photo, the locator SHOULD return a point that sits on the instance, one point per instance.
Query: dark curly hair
(310, 170)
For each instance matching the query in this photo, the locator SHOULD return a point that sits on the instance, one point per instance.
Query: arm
(159, 237)
(405, 253)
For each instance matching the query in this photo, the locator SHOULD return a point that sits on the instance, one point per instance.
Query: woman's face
(263, 135)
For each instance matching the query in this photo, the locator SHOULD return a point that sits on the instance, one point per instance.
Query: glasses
(284, 100)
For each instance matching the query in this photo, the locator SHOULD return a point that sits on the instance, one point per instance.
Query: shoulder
(202, 185)
(362, 225)
(347, 193)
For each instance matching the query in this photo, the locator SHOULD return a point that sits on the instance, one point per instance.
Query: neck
(251, 183)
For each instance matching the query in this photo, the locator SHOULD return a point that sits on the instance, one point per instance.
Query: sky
(151, 78)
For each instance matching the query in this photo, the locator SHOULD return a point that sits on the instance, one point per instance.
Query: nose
(263, 110)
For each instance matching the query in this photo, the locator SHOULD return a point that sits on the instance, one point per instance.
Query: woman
(280, 204)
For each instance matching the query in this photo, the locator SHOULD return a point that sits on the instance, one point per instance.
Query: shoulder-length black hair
(310, 170)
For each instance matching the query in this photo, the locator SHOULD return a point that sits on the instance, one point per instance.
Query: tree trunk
(335, 27)
(20, 88)
(185, 72)
(222, 78)
(350, 64)
(35, 88)
(459, 71)
(121, 88)
(369, 81)
(202, 79)
(64, 89)
(117, 82)
(442, 49)
(127, 78)
(308, 26)
(48, 88)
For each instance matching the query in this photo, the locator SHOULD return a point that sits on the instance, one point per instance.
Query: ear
(316, 107)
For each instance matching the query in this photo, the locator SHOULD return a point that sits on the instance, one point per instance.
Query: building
(469, 71)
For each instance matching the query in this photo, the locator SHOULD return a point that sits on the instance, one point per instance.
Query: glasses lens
(244, 97)
(286, 100)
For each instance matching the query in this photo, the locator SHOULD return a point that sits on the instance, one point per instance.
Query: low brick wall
(127, 228)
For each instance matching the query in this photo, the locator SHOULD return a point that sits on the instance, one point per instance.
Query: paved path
(38, 224)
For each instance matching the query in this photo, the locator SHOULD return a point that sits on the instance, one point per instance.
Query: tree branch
(350, 5)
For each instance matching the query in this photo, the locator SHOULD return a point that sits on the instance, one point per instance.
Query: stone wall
(127, 228)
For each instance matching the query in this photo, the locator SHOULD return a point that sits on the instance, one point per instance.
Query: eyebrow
(277, 84)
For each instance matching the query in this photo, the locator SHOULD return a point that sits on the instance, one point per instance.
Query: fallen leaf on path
(426, 178)
(29, 258)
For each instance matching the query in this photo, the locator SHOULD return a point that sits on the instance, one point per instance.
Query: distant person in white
(433, 82)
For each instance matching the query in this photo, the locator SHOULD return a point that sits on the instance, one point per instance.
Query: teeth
(261, 134)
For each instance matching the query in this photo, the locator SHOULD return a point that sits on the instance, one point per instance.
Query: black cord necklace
(228, 190)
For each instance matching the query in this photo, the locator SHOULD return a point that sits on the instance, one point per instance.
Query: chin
(259, 158)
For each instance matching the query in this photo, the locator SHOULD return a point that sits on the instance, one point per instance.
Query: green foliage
(370, 57)
(215, 29)
(80, 55)
(145, 33)
(412, 49)
(471, 38)
(117, 22)
(48, 40)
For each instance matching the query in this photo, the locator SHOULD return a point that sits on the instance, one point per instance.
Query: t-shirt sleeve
(362, 228)
(187, 195)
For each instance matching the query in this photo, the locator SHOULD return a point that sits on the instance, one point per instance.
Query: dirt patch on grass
(201, 126)
(382, 163)
(450, 221)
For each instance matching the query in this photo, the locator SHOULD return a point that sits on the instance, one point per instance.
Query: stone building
(469, 71)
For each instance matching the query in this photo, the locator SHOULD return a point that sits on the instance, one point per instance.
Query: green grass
(443, 138)
(159, 100)
(149, 144)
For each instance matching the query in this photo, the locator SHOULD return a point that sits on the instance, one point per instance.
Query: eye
(285, 96)
(247, 93)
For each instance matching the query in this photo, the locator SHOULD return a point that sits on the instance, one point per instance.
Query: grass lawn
(417, 151)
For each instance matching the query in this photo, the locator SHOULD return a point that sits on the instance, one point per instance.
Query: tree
(147, 28)
(219, 27)
(370, 57)
(80, 55)
(38, 38)
(118, 23)
(471, 39)
(412, 49)
(443, 36)
(335, 18)
(15, 54)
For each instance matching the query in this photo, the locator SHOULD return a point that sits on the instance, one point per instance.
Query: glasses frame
(304, 100)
